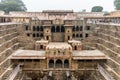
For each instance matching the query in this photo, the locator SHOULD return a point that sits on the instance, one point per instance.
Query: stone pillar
(70, 64)
(47, 63)
(54, 63)
(63, 64)
(84, 25)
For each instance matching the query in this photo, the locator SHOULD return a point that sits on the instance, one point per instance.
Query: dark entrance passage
(51, 64)
(57, 29)
(66, 64)
(53, 29)
(62, 29)
(75, 48)
(41, 46)
(68, 37)
(58, 64)
(47, 37)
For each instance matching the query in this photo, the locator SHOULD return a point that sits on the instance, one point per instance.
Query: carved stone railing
(104, 73)
(14, 73)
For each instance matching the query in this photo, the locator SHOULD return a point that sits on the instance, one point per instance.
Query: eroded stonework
(59, 45)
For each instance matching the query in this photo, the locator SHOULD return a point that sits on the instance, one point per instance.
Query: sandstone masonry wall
(8, 44)
(107, 39)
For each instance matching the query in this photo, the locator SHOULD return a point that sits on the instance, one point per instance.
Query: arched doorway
(41, 46)
(41, 28)
(41, 35)
(75, 48)
(58, 29)
(73, 35)
(86, 35)
(81, 35)
(77, 28)
(51, 63)
(68, 37)
(81, 28)
(37, 28)
(47, 37)
(77, 35)
(34, 29)
(26, 27)
(34, 35)
(66, 63)
(73, 29)
(58, 64)
(62, 29)
(88, 27)
(37, 35)
(53, 29)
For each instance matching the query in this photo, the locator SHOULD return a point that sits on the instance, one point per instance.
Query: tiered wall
(108, 41)
(8, 44)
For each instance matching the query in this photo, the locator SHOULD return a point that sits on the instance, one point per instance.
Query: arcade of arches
(57, 29)
(59, 63)
(56, 47)
(64, 32)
